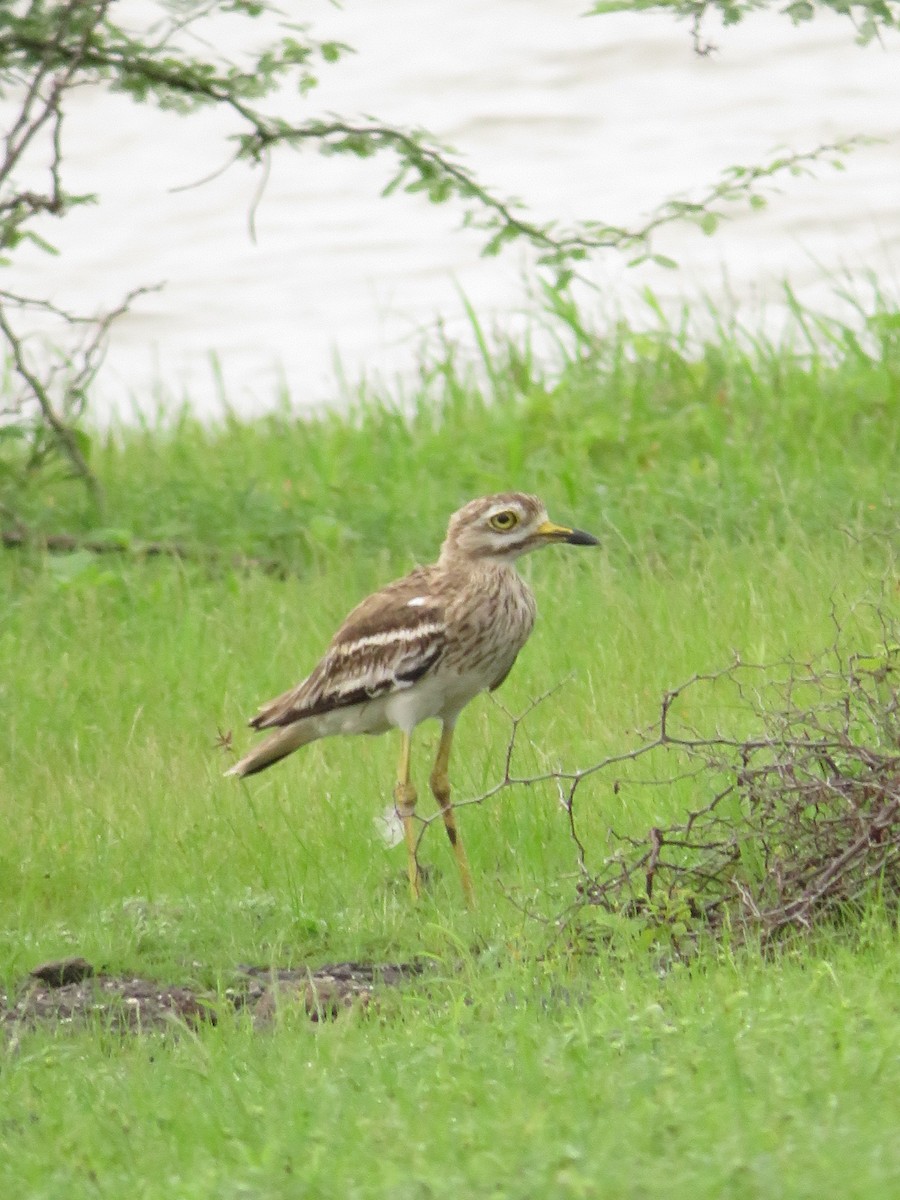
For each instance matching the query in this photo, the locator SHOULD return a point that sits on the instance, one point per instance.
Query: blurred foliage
(868, 17)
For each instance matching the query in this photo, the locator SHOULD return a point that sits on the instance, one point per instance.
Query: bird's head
(504, 526)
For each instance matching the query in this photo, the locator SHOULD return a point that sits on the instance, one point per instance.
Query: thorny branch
(423, 164)
(38, 391)
(58, 65)
(51, 401)
(802, 819)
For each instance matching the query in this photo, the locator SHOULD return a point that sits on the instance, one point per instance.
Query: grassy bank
(745, 496)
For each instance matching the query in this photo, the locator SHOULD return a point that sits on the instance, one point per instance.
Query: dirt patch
(69, 992)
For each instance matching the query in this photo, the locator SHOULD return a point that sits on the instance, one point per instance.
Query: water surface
(601, 117)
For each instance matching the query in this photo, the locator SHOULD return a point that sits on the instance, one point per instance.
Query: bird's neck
(456, 561)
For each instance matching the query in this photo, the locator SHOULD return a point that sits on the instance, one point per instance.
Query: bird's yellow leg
(440, 786)
(405, 803)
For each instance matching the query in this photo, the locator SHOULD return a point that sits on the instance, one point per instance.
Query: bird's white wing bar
(360, 669)
(383, 662)
(388, 637)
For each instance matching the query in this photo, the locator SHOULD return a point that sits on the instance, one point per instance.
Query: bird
(421, 648)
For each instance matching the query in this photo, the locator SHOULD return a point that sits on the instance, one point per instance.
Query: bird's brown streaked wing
(389, 641)
(269, 714)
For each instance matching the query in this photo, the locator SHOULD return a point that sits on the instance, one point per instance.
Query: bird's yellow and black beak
(562, 533)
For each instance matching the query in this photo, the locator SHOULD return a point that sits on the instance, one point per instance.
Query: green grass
(741, 1079)
(744, 495)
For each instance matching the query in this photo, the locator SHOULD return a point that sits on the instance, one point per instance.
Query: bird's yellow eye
(504, 521)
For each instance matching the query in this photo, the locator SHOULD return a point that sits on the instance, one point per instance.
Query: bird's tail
(275, 747)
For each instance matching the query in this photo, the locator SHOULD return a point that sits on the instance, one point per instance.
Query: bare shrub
(803, 820)
(798, 821)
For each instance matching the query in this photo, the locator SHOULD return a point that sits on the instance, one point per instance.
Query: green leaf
(613, 6)
(709, 223)
(800, 10)
(332, 51)
(30, 236)
(610, 6)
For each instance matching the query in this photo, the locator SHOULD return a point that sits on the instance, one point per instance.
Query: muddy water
(580, 117)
